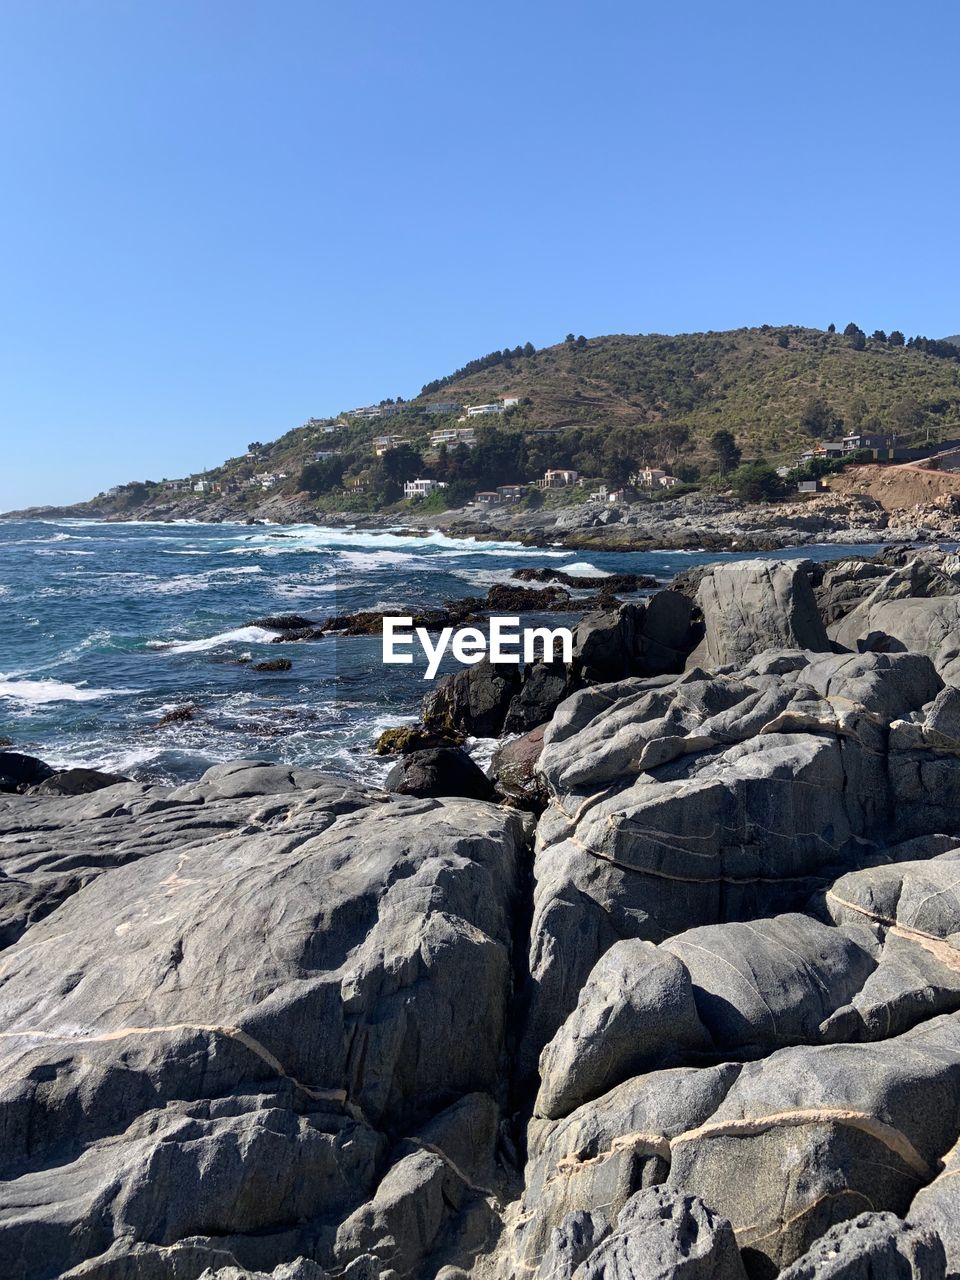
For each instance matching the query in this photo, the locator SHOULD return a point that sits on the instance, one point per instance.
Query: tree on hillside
(401, 463)
(757, 482)
(581, 341)
(669, 441)
(831, 328)
(896, 339)
(622, 453)
(570, 339)
(499, 457)
(255, 447)
(724, 448)
(858, 411)
(321, 476)
(851, 329)
(817, 417)
(858, 340)
(878, 335)
(529, 349)
(783, 340)
(907, 415)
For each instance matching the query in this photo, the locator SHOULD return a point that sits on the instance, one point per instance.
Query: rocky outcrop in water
(704, 1023)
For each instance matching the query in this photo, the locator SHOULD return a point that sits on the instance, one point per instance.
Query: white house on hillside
(558, 478)
(454, 435)
(382, 443)
(477, 410)
(654, 478)
(421, 488)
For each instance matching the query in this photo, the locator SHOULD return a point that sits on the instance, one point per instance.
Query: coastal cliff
(699, 1017)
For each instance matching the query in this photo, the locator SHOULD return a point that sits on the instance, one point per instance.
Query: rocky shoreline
(866, 511)
(673, 993)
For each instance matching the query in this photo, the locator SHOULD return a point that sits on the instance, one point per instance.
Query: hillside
(598, 405)
(741, 380)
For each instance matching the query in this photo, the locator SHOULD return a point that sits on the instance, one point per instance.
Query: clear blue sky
(220, 217)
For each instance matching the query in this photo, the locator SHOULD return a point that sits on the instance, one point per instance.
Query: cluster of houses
(858, 441)
(391, 410)
(438, 407)
(202, 485)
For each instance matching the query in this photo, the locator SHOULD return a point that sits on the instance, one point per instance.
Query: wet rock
(403, 739)
(273, 664)
(474, 700)
(439, 771)
(514, 768)
(608, 584)
(605, 644)
(18, 772)
(284, 622)
(544, 685)
(178, 715)
(76, 782)
(668, 634)
(502, 598)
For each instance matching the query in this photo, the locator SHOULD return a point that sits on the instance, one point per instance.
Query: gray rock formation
(242, 1012)
(757, 605)
(665, 1235)
(269, 1026)
(474, 700)
(438, 771)
(872, 1246)
(717, 799)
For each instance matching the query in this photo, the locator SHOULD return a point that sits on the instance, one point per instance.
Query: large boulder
(595, 1159)
(806, 1137)
(646, 638)
(544, 686)
(872, 1246)
(704, 799)
(76, 782)
(928, 625)
(474, 700)
(438, 771)
(19, 772)
(755, 605)
(662, 1234)
(247, 993)
(736, 989)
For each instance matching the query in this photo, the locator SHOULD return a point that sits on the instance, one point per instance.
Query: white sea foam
(585, 568)
(241, 635)
(31, 693)
(184, 582)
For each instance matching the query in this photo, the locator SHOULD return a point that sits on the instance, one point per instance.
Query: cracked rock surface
(703, 1023)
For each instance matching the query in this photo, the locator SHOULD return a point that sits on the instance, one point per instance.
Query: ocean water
(105, 628)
